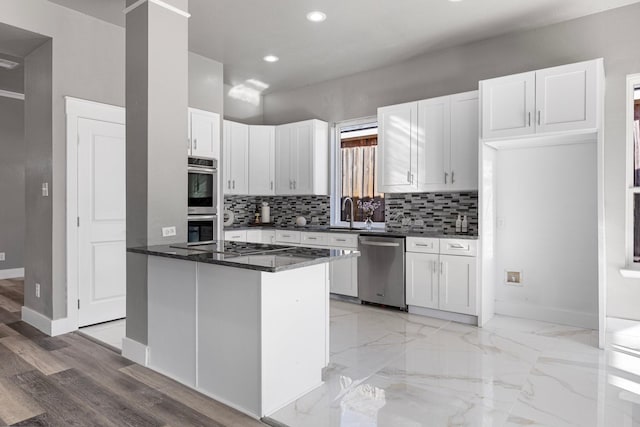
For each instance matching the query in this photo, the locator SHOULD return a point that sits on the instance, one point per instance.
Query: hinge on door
(78, 304)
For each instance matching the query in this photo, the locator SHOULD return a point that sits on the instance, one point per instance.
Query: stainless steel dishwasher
(381, 270)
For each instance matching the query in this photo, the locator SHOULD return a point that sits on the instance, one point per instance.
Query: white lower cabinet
(440, 281)
(343, 277)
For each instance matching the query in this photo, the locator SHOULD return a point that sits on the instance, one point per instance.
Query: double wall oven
(203, 200)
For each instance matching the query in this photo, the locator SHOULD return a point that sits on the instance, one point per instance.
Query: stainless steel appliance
(202, 188)
(202, 229)
(381, 270)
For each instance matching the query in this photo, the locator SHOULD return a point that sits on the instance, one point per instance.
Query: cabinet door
(237, 150)
(343, 277)
(458, 284)
(566, 98)
(465, 144)
(262, 160)
(268, 237)
(302, 157)
(205, 134)
(284, 182)
(226, 156)
(397, 163)
(422, 279)
(508, 105)
(434, 133)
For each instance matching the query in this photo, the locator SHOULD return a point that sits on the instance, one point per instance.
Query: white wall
(547, 199)
(248, 110)
(612, 35)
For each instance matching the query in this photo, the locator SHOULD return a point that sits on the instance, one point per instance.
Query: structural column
(156, 101)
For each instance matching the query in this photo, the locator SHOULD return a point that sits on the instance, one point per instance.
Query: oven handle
(201, 170)
(201, 217)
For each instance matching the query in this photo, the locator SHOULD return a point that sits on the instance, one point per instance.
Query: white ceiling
(358, 35)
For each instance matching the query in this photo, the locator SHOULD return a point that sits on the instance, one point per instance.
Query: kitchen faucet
(344, 204)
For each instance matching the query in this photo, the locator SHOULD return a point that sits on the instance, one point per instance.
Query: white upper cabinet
(566, 98)
(236, 158)
(398, 159)
(434, 134)
(262, 163)
(465, 142)
(204, 134)
(553, 101)
(302, 158)
(429, 145)
(508, 105)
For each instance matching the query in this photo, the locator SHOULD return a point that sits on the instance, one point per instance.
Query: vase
(368, 223)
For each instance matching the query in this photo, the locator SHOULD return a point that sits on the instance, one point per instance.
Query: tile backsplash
(284, 209)
(438, 211)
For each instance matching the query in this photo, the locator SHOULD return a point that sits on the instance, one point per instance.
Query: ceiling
(358, 35)
(17, 42)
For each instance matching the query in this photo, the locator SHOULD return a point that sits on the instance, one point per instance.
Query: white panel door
(465, 145)
(102, 216)
(343, 277)
(508, 105)
(397, 138)
(302, 158)
(566, 98)
(236, 151)
(284, 181)
(434, 133)
(458, 284)
(262, 160)
(422, 279)
(204, 130)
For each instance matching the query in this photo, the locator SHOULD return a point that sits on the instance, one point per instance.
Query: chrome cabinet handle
(446, 175)
(441, 267)
(229, 185)
(538, 117)
(234, 184)
(271, 186)
(295, 184)
(409, 177)
(453, 180)
(195, 144)
(456, 246)
(423, 245)
(529, 118)
(290, 185)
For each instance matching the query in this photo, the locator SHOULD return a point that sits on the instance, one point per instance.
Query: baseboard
(43, 323)
(12, 273)
(579, 319)
(467, 319)
(135, 351)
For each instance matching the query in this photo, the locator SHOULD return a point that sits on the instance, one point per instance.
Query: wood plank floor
(72, 381)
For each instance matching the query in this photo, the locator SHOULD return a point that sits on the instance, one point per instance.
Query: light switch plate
(45, 189)
(37, 290)
(168, 231)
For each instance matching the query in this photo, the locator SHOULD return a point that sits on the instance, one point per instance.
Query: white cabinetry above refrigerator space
(203, 139)
(551, 102)
(429, 145)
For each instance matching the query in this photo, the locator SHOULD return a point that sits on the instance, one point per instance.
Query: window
(633, 221)
(356, 150)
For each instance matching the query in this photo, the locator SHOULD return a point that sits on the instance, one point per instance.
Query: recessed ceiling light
(271, 58)
(316, 16)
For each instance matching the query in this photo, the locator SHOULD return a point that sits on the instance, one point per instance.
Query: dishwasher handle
(374, 243)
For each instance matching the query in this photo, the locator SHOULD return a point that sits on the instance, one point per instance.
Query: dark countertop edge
(261, 268)
(325, 229)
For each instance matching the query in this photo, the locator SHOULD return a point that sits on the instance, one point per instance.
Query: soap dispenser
(465, 225)
(459, 224)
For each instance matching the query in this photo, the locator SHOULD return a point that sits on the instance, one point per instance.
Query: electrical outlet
(45, 189)
(168, 231)
(418, 223)
(37, 290)
(2, 256)
(513, 278)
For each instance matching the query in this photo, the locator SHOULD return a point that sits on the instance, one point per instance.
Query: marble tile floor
(110, 333)
(395, 369)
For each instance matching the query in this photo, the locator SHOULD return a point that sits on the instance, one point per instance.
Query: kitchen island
(246, 324)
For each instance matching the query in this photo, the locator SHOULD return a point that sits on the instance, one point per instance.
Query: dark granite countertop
(249, 256)
(374, 232)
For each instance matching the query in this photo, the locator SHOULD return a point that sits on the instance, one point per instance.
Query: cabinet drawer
(343, 241)
(458, 247)
(423, 245)
(284, 236)
(314, 239)
(236, 236)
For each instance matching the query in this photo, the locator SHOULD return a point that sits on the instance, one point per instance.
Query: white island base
(253, 340)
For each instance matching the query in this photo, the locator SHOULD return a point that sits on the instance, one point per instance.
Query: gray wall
(12, 164)
(612, 35)
(205, 83)
(38, 170)
(88, 63)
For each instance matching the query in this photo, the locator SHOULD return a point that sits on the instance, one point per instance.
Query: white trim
(9, 94)
(602, 246)
(77, 109)
(525, 310)
(633, 80)
(467, 319)
(630, 273)
(11, 273)
(43, 323)
(135, 351)
(159, 3)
